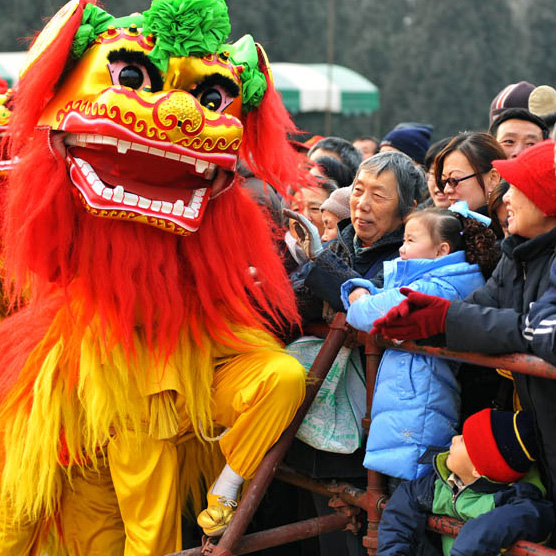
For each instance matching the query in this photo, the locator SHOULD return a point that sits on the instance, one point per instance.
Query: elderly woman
(492, 318)
(385, 190)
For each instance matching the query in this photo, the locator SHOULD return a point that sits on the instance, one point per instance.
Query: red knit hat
(500, 444)
(532, 172)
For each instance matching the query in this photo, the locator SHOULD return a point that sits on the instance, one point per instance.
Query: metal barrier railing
(345, 497)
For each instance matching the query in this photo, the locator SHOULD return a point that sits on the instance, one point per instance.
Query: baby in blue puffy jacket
(416, 403)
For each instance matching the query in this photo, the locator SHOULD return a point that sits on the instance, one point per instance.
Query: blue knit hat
(412, 141)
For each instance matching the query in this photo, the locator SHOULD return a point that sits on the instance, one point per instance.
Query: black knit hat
(412, 141)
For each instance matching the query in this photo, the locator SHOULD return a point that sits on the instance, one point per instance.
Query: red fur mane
(266, 147)
(132, 274)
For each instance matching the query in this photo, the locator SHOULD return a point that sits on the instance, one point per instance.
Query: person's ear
(475, 473)
(492, 179)
(443, 249)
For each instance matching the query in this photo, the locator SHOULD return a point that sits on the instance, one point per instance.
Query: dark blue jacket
(514, 512)
(498, 309)
(540, 324)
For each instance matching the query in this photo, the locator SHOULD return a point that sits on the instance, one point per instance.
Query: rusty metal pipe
(346, 492)
(278, 536)
(515, 362)
(375, 495)
(292, 477)
(445, 525)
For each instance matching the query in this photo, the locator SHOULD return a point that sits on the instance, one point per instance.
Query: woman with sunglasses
(464, 170)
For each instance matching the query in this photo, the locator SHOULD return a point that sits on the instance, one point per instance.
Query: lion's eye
(131, 76)
(211, 99)
(214, 96)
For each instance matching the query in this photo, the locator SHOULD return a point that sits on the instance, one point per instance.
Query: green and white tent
(325, 88)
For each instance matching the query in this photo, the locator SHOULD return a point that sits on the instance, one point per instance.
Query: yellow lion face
(144, 145)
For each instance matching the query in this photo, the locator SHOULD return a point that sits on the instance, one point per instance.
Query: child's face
(417, 242)
(458, 461)
(329, 221)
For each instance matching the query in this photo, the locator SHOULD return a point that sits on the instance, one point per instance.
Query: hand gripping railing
(347, 499)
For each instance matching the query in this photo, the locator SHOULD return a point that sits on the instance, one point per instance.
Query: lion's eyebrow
(139, 58)
(230, 86)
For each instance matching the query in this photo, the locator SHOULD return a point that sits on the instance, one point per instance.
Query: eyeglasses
(454, 182)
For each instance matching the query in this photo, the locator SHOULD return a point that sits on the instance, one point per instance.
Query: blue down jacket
(416, 402)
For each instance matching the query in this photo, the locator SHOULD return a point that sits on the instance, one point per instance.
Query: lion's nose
(182, 110)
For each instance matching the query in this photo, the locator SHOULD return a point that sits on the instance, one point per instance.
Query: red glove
(419, 316)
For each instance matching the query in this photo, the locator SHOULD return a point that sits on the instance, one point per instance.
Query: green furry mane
(185, 28)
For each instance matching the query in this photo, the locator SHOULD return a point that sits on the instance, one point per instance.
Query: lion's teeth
(131, 200)
(123, 146)
(118, 195)
(178, 208)
(201, 166)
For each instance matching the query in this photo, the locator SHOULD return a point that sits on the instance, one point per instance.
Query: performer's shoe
(215, 519)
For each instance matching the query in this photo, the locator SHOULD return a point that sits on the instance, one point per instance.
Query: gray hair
(410, 180)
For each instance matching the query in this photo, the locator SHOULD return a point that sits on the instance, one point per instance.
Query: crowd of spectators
(349, 227)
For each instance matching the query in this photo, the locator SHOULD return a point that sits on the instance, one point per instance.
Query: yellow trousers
(131, 506)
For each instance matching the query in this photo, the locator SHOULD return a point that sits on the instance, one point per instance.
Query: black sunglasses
(454, 182)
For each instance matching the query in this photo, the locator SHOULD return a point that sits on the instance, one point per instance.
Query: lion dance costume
(128, 231)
